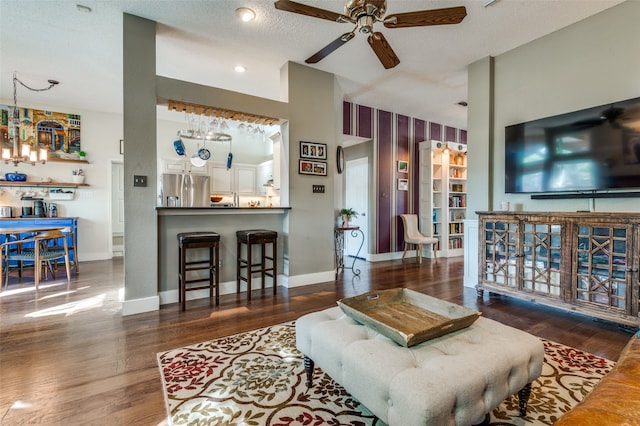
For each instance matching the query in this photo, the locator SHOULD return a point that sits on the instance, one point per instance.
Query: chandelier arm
(52, 83)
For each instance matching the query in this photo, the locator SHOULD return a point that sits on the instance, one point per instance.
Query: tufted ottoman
(455, 379)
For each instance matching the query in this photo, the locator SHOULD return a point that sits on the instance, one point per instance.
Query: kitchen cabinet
(265, 176)
(584, 262)
(221, 179)
(277, 155)
(245, 179)
(241, 178)
(182, 166)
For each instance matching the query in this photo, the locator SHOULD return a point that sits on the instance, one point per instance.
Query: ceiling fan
(363, 14)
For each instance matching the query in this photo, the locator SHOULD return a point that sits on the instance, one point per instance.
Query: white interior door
(117, 207)
(357, 198)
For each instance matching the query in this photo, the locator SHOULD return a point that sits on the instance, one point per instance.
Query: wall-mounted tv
(595, 149)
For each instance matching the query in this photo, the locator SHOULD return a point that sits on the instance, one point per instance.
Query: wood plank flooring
(68, 357)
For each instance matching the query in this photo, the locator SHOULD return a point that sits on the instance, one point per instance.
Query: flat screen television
(591, 150)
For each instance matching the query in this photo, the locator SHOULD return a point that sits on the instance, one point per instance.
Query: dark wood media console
(583, 262)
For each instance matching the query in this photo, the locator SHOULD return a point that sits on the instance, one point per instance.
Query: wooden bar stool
(262, 237)
(193, 240)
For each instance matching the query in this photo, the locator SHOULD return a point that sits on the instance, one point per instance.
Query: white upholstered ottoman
(456, 379)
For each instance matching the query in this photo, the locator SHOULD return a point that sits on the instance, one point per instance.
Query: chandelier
(22, 153)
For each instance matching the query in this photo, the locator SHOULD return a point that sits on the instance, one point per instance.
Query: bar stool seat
(196, 240)
(261, 237)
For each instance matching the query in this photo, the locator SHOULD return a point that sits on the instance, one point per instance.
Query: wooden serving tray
(406, 316)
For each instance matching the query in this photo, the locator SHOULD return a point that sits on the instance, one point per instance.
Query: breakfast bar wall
(225, 222)
(584, 262)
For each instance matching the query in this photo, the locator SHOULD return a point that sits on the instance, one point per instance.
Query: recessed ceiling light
(83, 8)
(462, 103)
(240, 68)
(245, 14)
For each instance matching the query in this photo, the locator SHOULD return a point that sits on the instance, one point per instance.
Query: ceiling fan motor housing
(375, 9)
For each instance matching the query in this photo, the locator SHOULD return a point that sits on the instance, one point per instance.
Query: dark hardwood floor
(68, 357)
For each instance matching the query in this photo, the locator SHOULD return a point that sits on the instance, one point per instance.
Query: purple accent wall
(364, 122)
(419, 130)
(346, 118)
(385, 178)
(402, 153)
(396, 138)
(450, 134)
(435, 131)
(419, 135)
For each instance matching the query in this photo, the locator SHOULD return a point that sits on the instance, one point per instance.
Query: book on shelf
(457, 201)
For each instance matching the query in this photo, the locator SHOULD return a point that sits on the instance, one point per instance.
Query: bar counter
(223, 220)
(191, 211)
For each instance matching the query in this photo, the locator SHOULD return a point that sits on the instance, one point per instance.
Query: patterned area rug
(257, 378)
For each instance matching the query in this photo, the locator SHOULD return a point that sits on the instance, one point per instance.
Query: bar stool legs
(192, 240)
(260, 237)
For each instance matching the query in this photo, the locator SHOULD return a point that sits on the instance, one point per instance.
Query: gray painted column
(480, 137)
(312, 109)
(139, 96)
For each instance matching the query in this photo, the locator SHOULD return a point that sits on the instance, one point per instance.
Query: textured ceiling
(202, 40)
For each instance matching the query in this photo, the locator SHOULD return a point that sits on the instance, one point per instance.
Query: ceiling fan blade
(446, 16)
(303, 9)
(325, 51)
(383, 50)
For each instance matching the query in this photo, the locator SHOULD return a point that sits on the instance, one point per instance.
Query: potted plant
(347, 215)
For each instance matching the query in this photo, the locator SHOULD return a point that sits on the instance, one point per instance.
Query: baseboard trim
(307, 279)
(138, 306)
(229, 287)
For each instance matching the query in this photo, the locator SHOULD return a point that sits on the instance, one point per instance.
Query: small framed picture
(403, 166)
(313, 151)
(308, 167)
(403, 184)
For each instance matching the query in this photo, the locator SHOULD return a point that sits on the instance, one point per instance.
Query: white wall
(593, 62)
(101, 133)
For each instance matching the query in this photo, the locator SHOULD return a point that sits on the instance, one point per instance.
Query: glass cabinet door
(602, 277)
(542, 260)
(500, 255)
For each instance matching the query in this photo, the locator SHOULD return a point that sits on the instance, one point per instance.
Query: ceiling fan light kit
(364, 14)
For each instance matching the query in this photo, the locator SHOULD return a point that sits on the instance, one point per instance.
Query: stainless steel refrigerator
(185, 190)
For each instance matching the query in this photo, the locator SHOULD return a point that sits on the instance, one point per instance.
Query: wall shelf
(42, 184)
(66, 160)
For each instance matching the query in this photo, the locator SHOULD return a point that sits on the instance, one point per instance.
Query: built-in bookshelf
(443, 194)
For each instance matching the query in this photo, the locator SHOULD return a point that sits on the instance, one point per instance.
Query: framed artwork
(403, 166)
(313, 151)
(403, 184)
(57, 132)
(308, 167)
